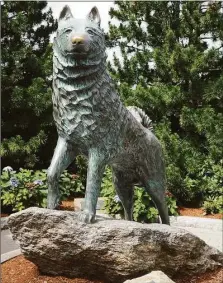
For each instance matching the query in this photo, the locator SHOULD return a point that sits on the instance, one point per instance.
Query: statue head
(79, 37)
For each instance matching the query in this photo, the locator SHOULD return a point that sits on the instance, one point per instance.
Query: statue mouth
(79, 50)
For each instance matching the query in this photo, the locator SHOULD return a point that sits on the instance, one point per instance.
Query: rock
(110, 250)
(153, 277)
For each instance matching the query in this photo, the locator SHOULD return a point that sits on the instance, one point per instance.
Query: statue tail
(141, 117)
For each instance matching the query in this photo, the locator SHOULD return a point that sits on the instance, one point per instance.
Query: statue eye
(89, 31)
(69, 30)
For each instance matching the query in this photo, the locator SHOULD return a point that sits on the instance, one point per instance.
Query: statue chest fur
(86, 115)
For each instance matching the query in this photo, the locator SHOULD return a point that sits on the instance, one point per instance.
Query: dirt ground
(209, 277)
(20, 270)
(197, 212)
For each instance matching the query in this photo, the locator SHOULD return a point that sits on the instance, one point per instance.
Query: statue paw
(53, 203)
(86, 217)
(53, 206)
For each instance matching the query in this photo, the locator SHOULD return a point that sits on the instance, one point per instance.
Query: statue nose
(77, 40)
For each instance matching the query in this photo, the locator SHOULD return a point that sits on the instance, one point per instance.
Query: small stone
(153, 277)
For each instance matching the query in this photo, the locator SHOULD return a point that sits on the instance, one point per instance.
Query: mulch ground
(197, 212)
(209, 277)
(20, 270)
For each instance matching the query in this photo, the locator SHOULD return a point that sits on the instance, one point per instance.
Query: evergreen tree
(172, 67)
(26, 66)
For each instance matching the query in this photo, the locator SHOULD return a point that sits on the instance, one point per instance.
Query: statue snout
(77, 40)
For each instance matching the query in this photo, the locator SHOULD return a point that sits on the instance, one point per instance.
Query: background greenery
(28, 132)
(170, 66)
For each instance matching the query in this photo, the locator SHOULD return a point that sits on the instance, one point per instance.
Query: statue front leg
(62, 157)
(96, 166)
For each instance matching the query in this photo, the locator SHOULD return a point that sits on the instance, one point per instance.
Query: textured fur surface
(91, 120)
(141, 117)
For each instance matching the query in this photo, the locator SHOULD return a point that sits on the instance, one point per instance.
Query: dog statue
(91, 120)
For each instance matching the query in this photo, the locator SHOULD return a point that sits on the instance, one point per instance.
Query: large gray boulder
(110, 250)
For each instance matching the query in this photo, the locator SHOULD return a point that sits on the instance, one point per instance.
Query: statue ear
(65, 13)
(94, 16)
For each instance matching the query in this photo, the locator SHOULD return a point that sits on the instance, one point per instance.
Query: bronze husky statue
(91, 120)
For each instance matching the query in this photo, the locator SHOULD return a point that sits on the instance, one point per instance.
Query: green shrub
(204, 184)
(203, 180)
(213, 205)
(23, 189)
(70, 186)
(192, 176)
(171, 204)
(212, 179)
(112, 206)
(81, 163)
(28, 188)
(144, 209)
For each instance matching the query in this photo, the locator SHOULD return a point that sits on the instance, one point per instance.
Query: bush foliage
(27, 188)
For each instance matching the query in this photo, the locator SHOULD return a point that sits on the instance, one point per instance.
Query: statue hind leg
(62, 157)
(125, 192)
(152, 174)
(155, 190)
(154, 181)
(155, 186)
